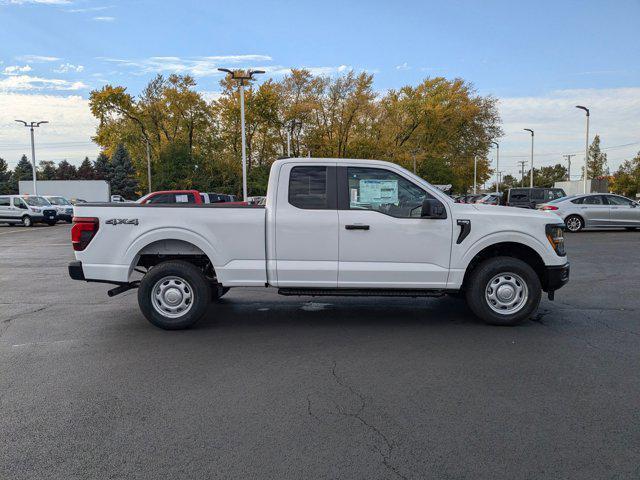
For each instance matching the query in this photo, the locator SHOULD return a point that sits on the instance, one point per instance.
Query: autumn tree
(626, 180)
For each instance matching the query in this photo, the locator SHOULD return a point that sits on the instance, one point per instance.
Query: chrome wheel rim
(573, 224)
(172, 297)
(506, 293)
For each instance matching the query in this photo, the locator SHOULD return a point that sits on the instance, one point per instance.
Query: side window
(578, 201)
(384, 191)
(17, 202)
(519, 196)
(183, 198)
(537, 194)
(308, 187)
(593, 200)
(614, 200)
(162, 198)
(4, 201)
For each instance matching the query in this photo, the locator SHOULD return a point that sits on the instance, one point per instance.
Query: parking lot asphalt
(290, 388)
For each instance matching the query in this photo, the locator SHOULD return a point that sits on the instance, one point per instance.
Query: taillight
(549, 207)
(83, 231)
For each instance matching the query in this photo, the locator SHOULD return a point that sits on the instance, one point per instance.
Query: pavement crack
(387, 444)
(7, 321)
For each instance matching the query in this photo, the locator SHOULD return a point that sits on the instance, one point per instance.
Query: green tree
(5, 178)
(66, 171)
(626, 180)
(547, 176)
(123, 180)
(597, 161)
(102, 167)
(47, 170)
(85, 170)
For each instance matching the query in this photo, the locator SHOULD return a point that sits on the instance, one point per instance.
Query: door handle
(357, 226)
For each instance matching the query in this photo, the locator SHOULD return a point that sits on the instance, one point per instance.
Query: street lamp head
(583, 108)
(496, 144)
(22, 122)
(254, 72)
(226, 70)
(529, 130)
(41, 122)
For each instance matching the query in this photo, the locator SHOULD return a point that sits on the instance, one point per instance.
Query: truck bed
(232, 236)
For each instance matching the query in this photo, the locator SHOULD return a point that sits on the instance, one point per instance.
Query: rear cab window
(308, 188)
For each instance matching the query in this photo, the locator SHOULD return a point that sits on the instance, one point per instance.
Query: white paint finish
(306, 241)
(394, 252)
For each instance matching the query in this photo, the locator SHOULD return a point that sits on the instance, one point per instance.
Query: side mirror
(432, 208)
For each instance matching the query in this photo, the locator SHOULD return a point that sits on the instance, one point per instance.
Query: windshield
(36, 201)
(58, 201)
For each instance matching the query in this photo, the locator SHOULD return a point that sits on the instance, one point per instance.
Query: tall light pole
(475, 174)
(529, 130)
(586, 150)
(497, 165)
(568, 157)
(148, 165)
(241, 77)
(31, 126)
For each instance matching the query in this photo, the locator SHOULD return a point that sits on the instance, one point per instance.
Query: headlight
(555, 235)
(35, 209)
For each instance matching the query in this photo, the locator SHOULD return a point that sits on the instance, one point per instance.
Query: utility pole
(241, 77)
(529, 130)
(568, 157)
(522, 164)
(31, 126)
(586, 150)
(148, 166)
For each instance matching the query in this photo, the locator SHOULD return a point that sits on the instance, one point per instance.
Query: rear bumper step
(357, 292)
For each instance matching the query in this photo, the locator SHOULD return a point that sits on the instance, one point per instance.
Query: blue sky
(538, 58)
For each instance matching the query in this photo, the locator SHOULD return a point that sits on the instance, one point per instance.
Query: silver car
(595, 210)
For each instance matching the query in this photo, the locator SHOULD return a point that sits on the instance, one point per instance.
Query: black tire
(477, 290)
(218, 291)
(574, 223)
(630, 229)
(26, 221)
(188, 280)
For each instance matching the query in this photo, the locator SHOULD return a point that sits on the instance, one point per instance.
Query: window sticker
(377, 192)
(182, 198)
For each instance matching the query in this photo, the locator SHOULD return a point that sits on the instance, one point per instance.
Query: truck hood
(500, 211)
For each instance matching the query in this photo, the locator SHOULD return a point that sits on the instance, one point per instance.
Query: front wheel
(503, 291)
(26, 221)
(574, 223)
(174, 295)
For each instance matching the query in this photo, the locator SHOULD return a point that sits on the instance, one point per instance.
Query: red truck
(187, 196)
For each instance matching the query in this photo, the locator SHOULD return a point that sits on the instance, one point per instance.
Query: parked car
(63, 207)
(531, 197)
(490, 199)
(469, 198)
(172, 196)
(119, 198)
(27, 210)
(329, 227)
(595, 210)
(75, 201)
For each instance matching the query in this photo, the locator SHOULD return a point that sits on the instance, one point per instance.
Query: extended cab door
(306, 226)
(384, 242)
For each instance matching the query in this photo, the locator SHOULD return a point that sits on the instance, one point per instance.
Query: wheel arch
(582, 219)
(169, 244)
(514, 249)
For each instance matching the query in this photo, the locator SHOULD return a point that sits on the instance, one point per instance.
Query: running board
(358, 292)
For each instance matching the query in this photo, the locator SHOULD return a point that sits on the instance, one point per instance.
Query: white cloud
(15, 83)
(89, 9)
(403, 66)
(16, 69)
(199, 66)
(69, 67)
(37, 2)
(560, 127)
(67, 135)
(104, 19)
(37, 58)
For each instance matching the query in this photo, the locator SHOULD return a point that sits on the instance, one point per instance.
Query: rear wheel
(174, 295)
(574, 223)
(503, 291)
(26, 221)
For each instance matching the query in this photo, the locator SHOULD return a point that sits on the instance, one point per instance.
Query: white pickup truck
(329, 227)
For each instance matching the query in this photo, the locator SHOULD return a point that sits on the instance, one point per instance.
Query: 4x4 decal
(122, 221)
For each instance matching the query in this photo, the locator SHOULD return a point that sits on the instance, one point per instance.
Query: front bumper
(75, 270)
(555, 277)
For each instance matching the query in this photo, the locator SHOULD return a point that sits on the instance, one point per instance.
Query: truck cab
(328, 227)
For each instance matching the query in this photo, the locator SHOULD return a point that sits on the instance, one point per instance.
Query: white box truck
(87, 190)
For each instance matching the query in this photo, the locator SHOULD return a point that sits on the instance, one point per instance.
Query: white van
(27, 210)
(63, 207)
